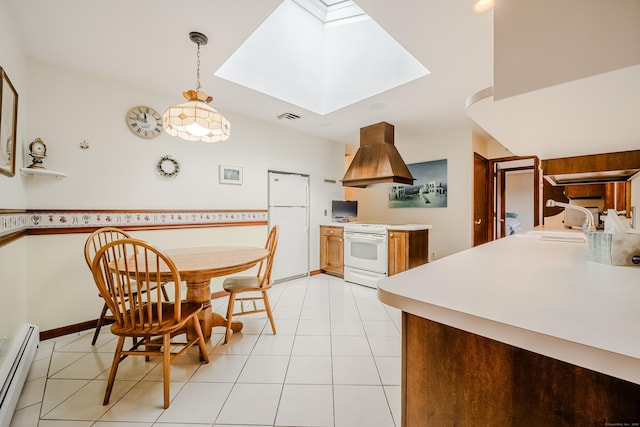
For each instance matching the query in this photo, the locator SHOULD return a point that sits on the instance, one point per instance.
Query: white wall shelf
(43, 173)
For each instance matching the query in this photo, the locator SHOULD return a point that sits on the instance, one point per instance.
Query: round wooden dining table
(198, 265)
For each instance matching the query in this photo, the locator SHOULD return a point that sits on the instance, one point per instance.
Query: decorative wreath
(168, 167)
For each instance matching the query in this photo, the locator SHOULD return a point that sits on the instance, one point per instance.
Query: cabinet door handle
(478, 222)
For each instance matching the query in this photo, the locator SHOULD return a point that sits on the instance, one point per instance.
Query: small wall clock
(144, 121)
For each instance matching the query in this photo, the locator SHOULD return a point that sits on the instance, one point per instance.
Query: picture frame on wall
(8, 125)
(230, 174)
(430, 189)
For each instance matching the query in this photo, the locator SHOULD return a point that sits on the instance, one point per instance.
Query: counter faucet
(590, 220)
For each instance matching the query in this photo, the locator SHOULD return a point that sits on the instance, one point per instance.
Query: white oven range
(365, 253)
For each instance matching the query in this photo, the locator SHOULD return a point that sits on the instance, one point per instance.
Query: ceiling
(151, 38)
(145, 43)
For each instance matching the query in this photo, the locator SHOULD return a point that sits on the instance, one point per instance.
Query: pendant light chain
(198, 69)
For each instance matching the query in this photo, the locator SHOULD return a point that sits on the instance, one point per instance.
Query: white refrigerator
(289, 209)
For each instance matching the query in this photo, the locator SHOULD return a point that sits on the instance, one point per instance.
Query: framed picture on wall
(430, 189)
(8, 124)
(230, 174)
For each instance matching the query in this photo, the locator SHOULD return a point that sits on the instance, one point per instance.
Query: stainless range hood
(377, 161)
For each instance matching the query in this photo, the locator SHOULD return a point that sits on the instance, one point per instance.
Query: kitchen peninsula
(519, 331)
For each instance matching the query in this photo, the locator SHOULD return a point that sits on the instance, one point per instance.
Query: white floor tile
(69, 423)
(390, 369)
(251, 404)
(142, 403)
(306, 405)
(222, 368)
(286, 326)
(336, 346)
(309, 370)
(197, 403)
(88, 367)
(264, 369)
(86, 403)
(26, 417)
(395, 402)
(238, 344)
(274, 345)
(39, 369)
(309, 345)
(381, 328)
(386, 346)
(350, 346)
(355, 370)
(313, 327)
(361, 406)
(347, 327)
(32, 393)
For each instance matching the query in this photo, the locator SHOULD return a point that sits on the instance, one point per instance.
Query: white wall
(61, 290)
(13, 305)
(452, 230)
(118, 171)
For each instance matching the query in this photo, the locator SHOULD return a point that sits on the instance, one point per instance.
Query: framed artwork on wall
(230, 174)
(429, 190)
(8, 124)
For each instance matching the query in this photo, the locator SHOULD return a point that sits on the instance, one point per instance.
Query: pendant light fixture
(195, 120)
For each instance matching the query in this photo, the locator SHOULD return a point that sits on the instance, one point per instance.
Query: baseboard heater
(14, 370)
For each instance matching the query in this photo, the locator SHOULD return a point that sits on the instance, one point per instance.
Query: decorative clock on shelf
(37, 151)
(144, 121)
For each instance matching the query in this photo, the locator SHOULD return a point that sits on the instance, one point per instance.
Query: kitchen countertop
(407, 227)
(539, 295)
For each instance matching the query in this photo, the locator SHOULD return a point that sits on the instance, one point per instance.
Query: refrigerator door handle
(306, 188)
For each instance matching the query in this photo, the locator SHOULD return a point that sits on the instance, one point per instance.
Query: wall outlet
(325, 212)
(433, 256)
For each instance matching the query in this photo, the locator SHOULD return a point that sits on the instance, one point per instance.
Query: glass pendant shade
(195, 120)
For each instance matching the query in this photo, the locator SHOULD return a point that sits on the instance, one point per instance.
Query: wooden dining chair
(95, 241)
(256, 285)
(119, 269)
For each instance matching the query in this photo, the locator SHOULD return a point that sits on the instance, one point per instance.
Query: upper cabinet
(566, 78)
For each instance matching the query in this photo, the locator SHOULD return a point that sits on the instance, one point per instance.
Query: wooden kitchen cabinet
(407, 249)
(332, 250)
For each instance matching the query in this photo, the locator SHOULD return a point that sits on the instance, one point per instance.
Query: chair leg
(232, 300)
(166, 367)
(114, 370)
(204, 356)
(267, 306)
(99, 324)
(164, 292)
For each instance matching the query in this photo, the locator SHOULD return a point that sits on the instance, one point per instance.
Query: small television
(342, 210)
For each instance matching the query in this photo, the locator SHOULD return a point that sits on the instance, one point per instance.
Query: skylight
(321, 55)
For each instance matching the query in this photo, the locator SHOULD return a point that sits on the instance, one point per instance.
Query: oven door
(366, 251)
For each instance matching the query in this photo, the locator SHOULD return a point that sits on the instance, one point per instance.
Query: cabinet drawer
(331, 231)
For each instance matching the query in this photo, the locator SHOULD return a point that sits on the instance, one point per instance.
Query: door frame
(496, 192)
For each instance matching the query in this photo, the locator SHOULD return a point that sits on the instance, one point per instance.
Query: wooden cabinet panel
(452, 377)
(407, 249)
(332, 250)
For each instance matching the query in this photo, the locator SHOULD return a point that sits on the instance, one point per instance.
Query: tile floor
(334, 362)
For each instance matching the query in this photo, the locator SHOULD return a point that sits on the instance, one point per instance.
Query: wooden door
(480, 200)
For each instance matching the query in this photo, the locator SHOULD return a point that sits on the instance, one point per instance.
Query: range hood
(377, 160)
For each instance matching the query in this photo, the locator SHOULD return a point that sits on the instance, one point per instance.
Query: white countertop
(407, 227)
(540, 295)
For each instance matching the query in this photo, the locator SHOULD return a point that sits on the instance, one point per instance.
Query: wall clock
(144, 121)
(38, 151)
